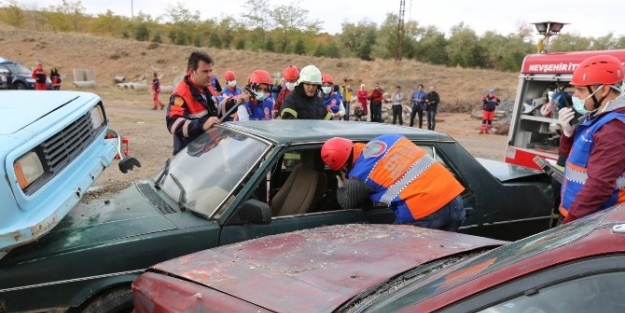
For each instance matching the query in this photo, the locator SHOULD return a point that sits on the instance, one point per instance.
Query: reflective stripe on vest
(580, 177)
(413, 173)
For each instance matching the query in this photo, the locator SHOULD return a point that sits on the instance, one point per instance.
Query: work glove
(339, 182)
(565, 115)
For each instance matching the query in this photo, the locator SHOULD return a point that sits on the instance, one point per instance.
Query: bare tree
(256, 20)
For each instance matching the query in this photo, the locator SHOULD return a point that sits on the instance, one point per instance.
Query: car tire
(118, 300)
(19, 86)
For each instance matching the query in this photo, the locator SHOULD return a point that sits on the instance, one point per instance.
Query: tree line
(288, 29)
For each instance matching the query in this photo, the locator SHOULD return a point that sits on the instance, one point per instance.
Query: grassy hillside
(117, 57)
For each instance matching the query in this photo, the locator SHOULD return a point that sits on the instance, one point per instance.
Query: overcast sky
(502, 16)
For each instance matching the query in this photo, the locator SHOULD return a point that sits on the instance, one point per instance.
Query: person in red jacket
(40, 77)
(156, 91)
(55, 77)
(362, 99)
(377, 95)
(291, 75)
(594, 139)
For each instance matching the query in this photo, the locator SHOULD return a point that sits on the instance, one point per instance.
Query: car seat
(303, 188)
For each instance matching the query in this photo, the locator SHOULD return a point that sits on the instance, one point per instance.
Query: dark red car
(578, 267)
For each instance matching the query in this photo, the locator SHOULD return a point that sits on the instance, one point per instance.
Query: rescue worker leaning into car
(191, 108)
(594, 175)
(392, 170)
(304, 103)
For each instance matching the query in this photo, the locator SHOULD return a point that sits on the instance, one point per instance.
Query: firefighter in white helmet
(304, 102)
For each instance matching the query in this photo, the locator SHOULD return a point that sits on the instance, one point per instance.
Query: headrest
(311, 158)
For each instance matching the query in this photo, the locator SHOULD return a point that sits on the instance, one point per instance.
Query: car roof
(285, 131)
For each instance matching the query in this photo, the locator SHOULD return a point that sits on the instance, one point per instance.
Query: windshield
(18, 69)
(210, 168)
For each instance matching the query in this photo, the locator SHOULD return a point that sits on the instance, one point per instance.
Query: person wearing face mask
(304, 102)
(594, 175)
(290, 75)
(230, 92)
(331, 99)
(191, 110)
(260, 104)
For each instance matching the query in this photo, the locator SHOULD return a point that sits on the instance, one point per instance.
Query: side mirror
(255, 212)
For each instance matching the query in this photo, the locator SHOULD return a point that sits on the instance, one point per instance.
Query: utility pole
(400, 31)
(132, 10)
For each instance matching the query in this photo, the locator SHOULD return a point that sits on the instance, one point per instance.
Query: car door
(589, 285)
(266, 186)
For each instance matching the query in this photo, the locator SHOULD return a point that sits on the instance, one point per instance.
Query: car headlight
(97, 117)
(27, 169)
(30, 80)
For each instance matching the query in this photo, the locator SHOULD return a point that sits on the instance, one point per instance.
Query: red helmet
(336, 151)
(327, 79)
(229, 76)
(291, 73)
(260, 77)
(598, 70)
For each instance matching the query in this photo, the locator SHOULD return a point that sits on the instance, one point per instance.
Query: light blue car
(53, 147)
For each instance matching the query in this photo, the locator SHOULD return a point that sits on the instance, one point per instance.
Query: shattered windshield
(210, 167)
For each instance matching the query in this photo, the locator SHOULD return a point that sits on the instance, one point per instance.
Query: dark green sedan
(236, 182)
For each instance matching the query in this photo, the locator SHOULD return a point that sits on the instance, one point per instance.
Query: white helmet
(310, 74)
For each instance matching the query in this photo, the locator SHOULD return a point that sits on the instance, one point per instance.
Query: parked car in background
(4, 79)
(578, 267)
(236, 182)
(18, 76)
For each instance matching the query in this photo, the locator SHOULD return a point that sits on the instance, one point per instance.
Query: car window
(299, 183)
(211, 168)
(597, 293)
(18, 69)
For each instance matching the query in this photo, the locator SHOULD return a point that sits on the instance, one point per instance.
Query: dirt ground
(149, 141)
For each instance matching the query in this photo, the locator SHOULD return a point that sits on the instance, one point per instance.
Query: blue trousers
(450, 217)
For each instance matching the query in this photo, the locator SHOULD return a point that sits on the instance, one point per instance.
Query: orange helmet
(598, 70)
(229, 75)
(260, 77)
(327, 79)
(336, 151)
(291, 73)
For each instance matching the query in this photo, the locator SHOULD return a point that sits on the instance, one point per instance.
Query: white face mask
(326, 89)
(232, 83)
(290, 86)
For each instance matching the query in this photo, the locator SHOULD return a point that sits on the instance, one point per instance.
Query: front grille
(62, 148)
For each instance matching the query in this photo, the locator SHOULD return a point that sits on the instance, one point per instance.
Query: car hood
(39, 104)
(317, 270)
(103, 216)
(506, 172)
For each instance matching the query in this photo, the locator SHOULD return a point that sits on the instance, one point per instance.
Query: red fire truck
(533, 129)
